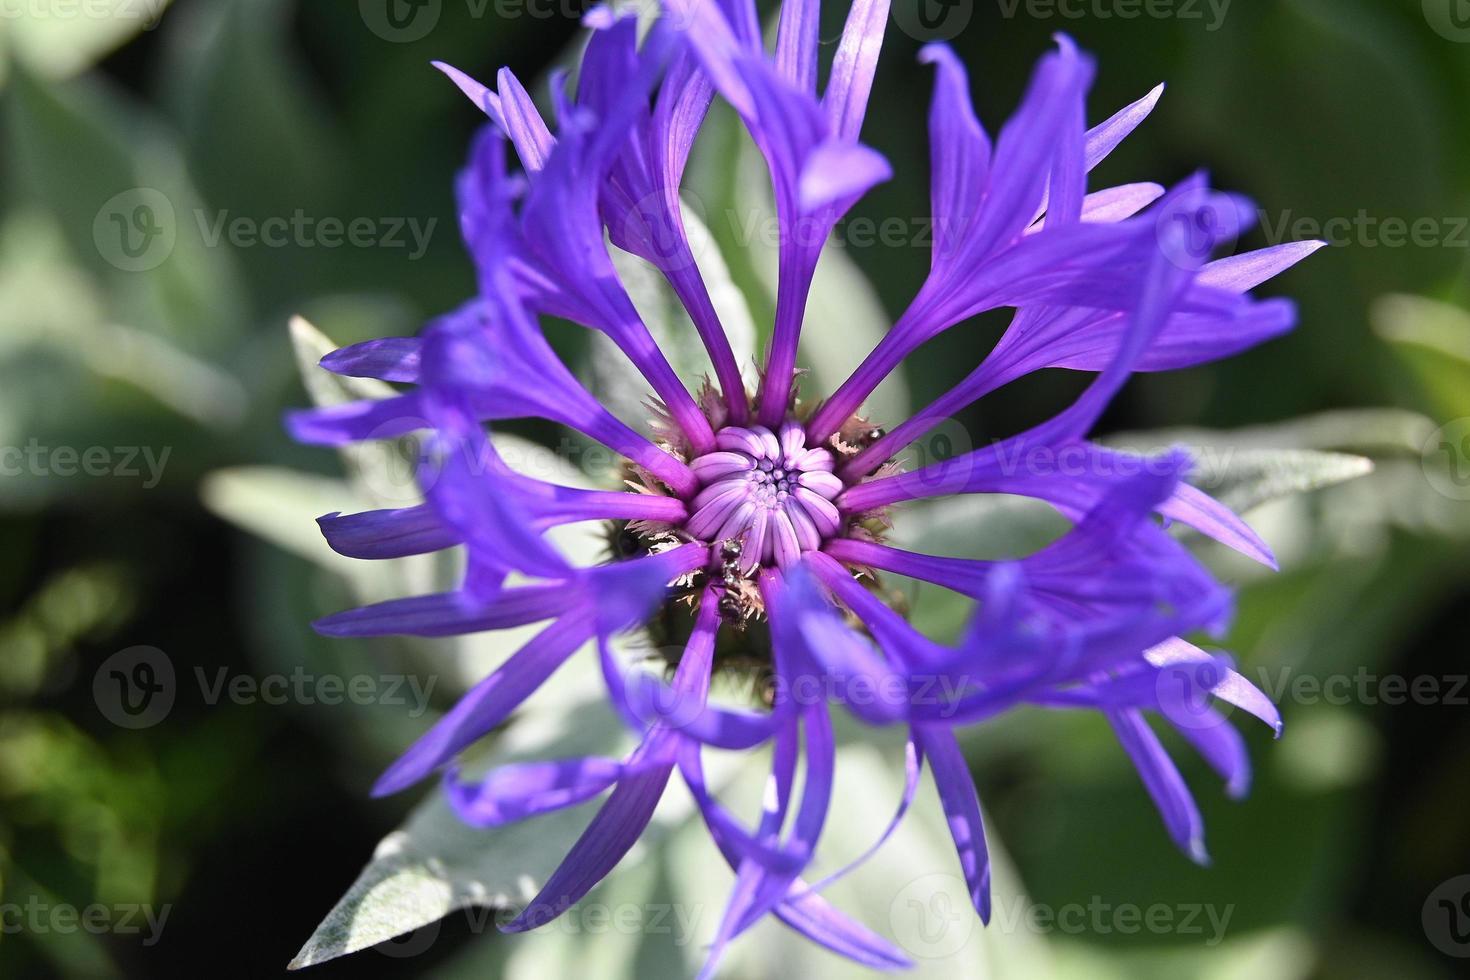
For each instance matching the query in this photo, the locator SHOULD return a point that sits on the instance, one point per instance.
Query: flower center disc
(766, 491)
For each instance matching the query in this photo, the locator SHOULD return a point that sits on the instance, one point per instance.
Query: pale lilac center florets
(767, 491)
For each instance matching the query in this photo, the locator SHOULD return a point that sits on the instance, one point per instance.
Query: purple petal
(846, 98)
(836, 172)
(516, 792)
(483, 98)
(961, 808)
(388, 533)
(387, 359)
(523, 123)
(451, 613)
(1164, 784)
(488, 703)
(796, 43)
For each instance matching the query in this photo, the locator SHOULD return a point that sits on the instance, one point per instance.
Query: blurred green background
(161, 344)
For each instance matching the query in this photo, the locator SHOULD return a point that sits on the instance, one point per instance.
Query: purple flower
(753, 525)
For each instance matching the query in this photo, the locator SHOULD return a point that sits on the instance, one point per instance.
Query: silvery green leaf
(1365, 431)
(384, 471)
(1255, 476)
(1248, 467)
(1433, 340)
(911, 891)
(435, 864)
(324, 387)
(58, 41)
(281, 506)
(46, 300)
(1423, 322)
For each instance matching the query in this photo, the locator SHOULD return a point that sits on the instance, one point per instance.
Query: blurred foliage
(261, 109)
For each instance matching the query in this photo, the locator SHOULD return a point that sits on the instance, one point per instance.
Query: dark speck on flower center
(767, 492)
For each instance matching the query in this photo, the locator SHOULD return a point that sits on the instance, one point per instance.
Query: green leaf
(435, 864)
(1249, 467)
(60, 40)
(281, 506)
(324, 387)
(1252, 477)
(112, 173)
(1432, 339)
